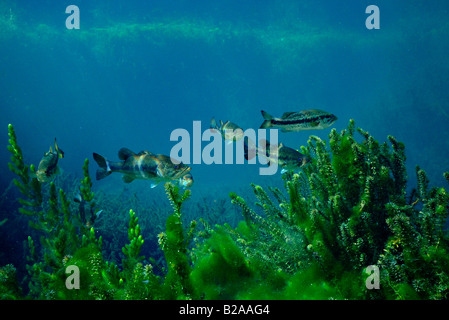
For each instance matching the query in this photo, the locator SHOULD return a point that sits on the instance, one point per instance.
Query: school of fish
(159, 168)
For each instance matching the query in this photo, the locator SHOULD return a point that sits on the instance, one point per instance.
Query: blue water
(136, 71)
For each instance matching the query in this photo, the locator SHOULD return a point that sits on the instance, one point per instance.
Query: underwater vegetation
(346, 210)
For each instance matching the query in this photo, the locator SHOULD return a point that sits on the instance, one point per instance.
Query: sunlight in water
(287, 43)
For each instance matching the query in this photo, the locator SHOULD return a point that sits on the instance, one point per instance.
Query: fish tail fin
(249, 148)
(264, 145)
(267, 122)
(104, 169)
(213, 124)
(266, 115)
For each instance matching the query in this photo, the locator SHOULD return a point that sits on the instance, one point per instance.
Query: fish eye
(178, 166)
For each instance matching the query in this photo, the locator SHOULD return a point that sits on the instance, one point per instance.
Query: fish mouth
(186, 180)
(187, 169)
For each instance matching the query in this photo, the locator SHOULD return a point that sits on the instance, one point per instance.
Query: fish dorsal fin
(308, 113)
(51, 150)
(125, 153)
(225, 124)
(163, 158)
(59, 151)
(288, 114)
(313, 112)
(213, 123)
(141, 153)
(127, 178)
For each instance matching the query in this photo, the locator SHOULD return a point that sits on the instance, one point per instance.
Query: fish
(285, 157)
(48, 166)
(299, 121)
(143, 165)
(87, 222)
(228, 130)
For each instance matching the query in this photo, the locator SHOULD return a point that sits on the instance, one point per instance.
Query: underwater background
(136, 71)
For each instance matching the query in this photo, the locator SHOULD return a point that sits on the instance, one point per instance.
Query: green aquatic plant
(65, 244)
(347, 210)
(53, 220)
(132, 250)
(174, 244)
(30, 187)
(59, 241)
(86, 199)
(279, 235)
(416, 257)
(9, 286)
(222, 269)
(136, 281)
